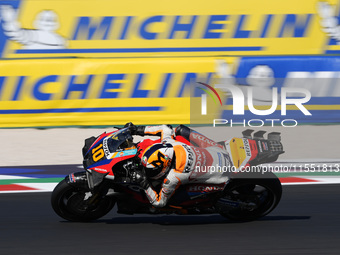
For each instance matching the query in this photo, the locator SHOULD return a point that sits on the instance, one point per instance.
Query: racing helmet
(157, 159)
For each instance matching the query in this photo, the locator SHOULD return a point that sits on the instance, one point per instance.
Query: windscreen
(120, 141)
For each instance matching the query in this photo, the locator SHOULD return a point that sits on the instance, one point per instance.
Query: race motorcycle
(111, 158)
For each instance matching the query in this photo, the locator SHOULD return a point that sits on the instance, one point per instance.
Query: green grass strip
(37, 180)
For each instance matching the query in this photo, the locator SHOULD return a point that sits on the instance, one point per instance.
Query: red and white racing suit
(191, 163)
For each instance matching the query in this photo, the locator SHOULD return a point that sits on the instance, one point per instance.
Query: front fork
(78, 179)
(91, 182)
(85, 179)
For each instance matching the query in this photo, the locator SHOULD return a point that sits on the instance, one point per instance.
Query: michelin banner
(105, 28)
(107, 92)
(94, 92)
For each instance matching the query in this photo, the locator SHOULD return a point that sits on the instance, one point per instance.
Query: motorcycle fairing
(107, 150)
(256, 150)
(242, 151)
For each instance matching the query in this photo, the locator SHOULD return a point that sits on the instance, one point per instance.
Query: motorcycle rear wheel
(71, 203)
(250, 196)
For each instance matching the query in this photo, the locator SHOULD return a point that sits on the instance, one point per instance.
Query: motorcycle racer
(177, 162)
(183, 172)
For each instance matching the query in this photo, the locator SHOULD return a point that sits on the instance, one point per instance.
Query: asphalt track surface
(307, 221)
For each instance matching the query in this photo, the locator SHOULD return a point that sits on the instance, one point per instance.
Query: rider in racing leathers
(177, 162)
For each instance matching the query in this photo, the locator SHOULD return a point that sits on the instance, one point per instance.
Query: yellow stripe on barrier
(164, 29)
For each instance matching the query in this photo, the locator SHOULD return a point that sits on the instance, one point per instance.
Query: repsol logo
(247, 147)
(171, 27)
(106, 148)
(190, 158)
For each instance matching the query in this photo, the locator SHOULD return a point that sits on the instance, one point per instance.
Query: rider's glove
(131, 127)
(140, 178)
(135, 130)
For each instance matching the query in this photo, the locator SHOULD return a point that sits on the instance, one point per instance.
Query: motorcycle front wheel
(77, 204)
(250, 196)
